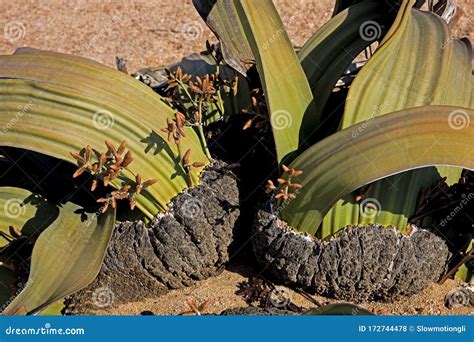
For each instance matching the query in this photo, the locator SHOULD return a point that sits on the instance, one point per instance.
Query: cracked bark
(188, 243)
(362, 263)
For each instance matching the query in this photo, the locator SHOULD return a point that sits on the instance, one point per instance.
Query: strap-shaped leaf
(392, 143)
(417, 64)
(66, 257)
(286, 89)
(222, 18)
(29, 214)
(328, 53)
(54, 103)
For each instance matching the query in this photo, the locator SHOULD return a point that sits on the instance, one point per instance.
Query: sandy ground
(145, 33)
(158, 32)
(220, 291)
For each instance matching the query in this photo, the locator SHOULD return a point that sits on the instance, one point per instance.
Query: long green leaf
(66, 257)
(418, 63)
(328, 53)
(390, 144)
(222, 18)
(286, 89)
(54, 103)
(29, 214)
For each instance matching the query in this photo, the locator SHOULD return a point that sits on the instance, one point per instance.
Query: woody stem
(201, 132)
